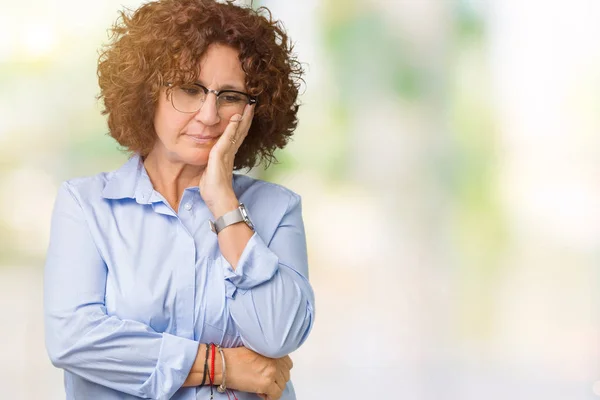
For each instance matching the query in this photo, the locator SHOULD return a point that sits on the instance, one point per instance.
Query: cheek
(222, 125)
(168, 124)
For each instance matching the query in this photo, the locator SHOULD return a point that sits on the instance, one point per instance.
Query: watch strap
(230, 218)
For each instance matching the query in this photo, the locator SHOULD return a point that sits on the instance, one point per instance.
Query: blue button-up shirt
(131, 286)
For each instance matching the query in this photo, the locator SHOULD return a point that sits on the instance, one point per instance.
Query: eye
(232, 97)
(191, 90)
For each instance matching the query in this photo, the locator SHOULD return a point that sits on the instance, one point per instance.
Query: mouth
(202, 139)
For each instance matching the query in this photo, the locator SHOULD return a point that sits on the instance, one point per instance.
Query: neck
(171, 177)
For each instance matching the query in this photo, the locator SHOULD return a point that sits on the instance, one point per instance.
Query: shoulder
(87, 189)
(259, 191)
(269, 204)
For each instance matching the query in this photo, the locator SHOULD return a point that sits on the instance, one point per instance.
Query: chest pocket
(214, 323)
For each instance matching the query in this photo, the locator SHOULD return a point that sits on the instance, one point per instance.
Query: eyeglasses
(189, 98)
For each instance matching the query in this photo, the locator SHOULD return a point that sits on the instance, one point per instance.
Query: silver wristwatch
(232, 217)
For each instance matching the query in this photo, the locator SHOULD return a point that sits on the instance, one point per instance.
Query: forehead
(220, 65)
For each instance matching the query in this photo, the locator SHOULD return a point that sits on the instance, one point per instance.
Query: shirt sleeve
(124, 355)
(270, 298)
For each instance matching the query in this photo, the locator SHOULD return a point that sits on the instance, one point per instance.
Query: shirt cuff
(175, 360)
(257, 265)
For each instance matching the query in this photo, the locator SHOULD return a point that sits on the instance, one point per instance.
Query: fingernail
(236, 118)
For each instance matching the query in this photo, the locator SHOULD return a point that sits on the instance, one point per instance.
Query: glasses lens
(232, 102)
(188, 98)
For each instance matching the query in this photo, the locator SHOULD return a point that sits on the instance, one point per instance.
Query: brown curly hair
(163, 41)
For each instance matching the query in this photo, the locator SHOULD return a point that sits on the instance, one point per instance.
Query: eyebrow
(225, 87)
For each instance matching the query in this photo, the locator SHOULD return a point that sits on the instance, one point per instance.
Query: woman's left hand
(216, 180)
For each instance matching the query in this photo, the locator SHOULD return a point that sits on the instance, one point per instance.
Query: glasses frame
(251, 99)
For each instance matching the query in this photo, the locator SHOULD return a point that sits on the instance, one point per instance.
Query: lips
(202, 136)
(202, 139)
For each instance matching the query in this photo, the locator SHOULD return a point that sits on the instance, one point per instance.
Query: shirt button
(188, 206)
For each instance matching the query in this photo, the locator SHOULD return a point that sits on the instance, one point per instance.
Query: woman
(150, 264)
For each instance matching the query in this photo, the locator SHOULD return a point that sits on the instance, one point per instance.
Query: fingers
(284, 368)
(274, 392)
(245, 122)
(230, 133)
(239, 125)
(248, 112)
(280, 379)
(287, 361)
(279, 375)
(282, 376)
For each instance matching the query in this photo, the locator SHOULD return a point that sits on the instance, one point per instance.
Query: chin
(197, 157)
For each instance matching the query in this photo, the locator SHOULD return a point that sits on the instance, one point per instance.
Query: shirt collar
(130, 181)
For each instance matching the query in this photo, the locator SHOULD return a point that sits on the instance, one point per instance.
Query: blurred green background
(448, 157)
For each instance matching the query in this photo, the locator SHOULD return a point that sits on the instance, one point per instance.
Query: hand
(215, 182)
(248, 371)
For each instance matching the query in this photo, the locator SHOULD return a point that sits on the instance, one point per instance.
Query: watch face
(245, 216)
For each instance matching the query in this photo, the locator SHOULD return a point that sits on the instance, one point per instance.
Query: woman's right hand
(249, 371)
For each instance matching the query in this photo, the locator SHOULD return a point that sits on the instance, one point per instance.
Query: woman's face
(180, 134)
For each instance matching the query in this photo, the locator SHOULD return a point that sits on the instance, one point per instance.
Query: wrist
(196, 373)
(198, 365)
(222, 207)
(218, 369)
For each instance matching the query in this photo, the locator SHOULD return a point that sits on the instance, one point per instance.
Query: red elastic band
(212, 362)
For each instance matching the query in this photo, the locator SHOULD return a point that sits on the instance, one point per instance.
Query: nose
(209, 112)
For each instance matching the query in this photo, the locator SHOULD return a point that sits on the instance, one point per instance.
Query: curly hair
(163, 41)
